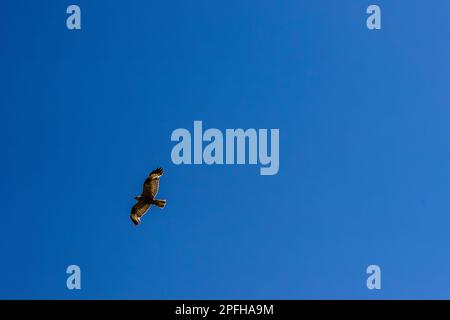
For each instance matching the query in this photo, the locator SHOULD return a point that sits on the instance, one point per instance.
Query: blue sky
(364, 149)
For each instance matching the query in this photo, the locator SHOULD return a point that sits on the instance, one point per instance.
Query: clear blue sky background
(364, 119)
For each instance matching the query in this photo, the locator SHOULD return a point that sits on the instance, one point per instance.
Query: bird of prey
(147, 198)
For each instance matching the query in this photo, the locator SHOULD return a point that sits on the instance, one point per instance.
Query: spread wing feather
(151, 184)
(140, 208)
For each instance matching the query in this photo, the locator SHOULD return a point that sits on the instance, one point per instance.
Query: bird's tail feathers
(159, 203)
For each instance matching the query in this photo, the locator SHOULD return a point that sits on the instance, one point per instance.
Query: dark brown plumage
(147, 197)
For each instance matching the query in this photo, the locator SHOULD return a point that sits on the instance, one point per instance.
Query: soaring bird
(147, 198)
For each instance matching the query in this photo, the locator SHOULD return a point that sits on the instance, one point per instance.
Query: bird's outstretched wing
(151, 184)
(140, 208)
